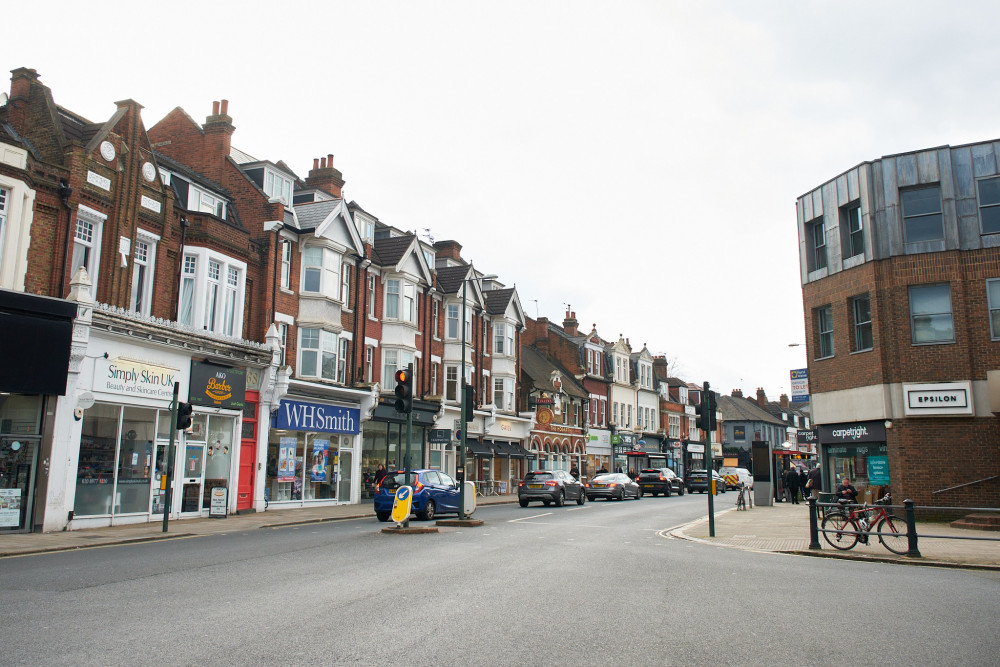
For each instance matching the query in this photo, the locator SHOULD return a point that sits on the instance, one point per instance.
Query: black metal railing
(909, 509)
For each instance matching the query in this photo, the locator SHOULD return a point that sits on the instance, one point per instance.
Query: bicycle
(744, 497)
(842, 529)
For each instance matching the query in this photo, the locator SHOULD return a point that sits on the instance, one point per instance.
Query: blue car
(434, 492)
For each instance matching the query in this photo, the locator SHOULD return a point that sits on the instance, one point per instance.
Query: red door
(248, 454)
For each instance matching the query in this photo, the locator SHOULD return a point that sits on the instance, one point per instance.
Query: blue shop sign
(317, 418)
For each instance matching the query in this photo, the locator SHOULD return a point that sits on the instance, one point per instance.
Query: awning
(478, 448)
(509, 449)
(519, 452)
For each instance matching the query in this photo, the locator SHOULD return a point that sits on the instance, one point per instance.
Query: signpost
(401, 506)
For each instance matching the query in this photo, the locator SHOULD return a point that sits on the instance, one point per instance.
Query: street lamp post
(463, 424)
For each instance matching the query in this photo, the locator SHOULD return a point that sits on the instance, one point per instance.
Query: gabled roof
(741, 409)
(539, 368)
(321, 218)
(390, 250)
(497, 300)
(450, 277)
(190, 175)
(75, 127)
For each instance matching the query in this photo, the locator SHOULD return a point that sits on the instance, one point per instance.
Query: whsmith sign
(317, 418)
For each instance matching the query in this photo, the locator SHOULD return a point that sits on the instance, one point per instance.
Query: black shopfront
(384, 441)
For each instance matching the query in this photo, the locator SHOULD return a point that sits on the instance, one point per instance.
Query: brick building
(900, 271)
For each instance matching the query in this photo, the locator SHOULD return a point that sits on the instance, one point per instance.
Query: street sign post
(401, 506)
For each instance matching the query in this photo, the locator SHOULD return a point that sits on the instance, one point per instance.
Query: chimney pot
(225, 107)
(322, 163)
(315, 163)
(329, 159)
(215, 108)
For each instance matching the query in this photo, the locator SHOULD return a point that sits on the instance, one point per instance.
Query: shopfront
(598, 450)
(384, 442)
(311, 453)
(857, 450)
(35, 340)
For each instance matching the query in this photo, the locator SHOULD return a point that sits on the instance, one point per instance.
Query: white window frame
(277, 186)
(195, 277)
(88, 248)
(4, 206)
(824, 332)
(345, 284)
(930, 314)
(371, 295)
(201, 200)
(434, 378)
(286, 264)
(435, 317)
(282, 342)
(503, 393)
(452, 381)
(342, 360)
(143, 272)
(317, 354)
(392, 307)
(392, 360)
(452, 318)
(369, 362)
(326, 270)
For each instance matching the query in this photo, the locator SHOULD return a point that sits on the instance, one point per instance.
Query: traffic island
(460, 523)
(409, 530)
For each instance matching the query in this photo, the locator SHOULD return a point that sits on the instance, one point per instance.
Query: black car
(697, 480)
(660, 480)
(550, 486)
(613, 486)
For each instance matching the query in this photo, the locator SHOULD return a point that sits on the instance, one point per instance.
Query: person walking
(815, 482)
(792, 485)
(803, 479)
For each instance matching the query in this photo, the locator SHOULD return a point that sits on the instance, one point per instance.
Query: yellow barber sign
(402, 504)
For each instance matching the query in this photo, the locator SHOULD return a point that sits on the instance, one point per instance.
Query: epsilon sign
(402, 504)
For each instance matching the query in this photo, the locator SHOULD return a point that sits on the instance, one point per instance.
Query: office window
(993, 302)
(317, 353)
(854, 238)
(824, 330)
(930, 314)
(452, 321)
(143, 272)
(989, 205)
(321, 271)
(286, 264)
(862, 314)
(451, 383)
(371, 296)
(816, 244)
(282, 342)
(922, 219)
(345, 285)
(342, 362)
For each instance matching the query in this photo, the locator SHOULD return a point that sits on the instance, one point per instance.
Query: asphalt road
(596, 584)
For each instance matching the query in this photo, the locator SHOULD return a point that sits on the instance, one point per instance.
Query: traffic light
(702, 411)
(712, 408)
(184, 416)
(470, 402)
(404, 391)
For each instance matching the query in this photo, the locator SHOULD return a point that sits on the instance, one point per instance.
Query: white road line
(526, 518)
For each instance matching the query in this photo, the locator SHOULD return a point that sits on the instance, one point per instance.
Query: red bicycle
(843, 529)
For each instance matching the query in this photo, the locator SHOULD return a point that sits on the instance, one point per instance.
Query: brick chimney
(783, 401)
(737, 393)
(21, 81)
(449, 250)
(570, 324)
(218, 129)
(761, 397)
(324, 176)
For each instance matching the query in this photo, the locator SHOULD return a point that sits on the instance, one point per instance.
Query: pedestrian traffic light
(184, 416)
(470, 402)
(404, 391)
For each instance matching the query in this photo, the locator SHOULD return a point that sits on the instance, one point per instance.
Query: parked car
(550, 486)
(434, 492)
(613, 485)
(660, 480)
(696, 480)
(743, 476)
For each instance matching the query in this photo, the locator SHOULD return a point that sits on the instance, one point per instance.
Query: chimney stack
(449, 250)
(783, 401)
(218, 129)
(570, 324)
(761, 397)
(21, 81)
(737, 393)
(325, 177)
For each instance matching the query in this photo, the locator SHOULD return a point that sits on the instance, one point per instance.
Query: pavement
(781, 528)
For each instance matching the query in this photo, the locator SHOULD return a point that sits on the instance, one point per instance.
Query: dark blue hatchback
(434, 492)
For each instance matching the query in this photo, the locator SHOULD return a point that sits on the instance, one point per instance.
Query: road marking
(527, 518)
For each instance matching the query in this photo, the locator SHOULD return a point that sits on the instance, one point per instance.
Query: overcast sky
(637, 160)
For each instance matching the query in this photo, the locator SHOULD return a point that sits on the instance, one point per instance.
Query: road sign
(458, 435)
(402, 504)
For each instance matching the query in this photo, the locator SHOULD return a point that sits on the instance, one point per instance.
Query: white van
(743, 476)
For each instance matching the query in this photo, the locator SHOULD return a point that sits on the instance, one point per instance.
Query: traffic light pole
(409, 430)
(706, 405)
(170, 457)
(464, 426)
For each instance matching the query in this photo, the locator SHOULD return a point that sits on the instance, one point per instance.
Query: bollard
(911, 530)
(813, 528)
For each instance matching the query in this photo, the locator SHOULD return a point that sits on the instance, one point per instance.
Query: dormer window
(204, 201)
(277, 186)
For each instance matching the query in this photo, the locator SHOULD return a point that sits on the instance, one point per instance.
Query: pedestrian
(815, 482)
(792, 485)
(575, 472)
(845, 492)
(379, 474)
(803, 479)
